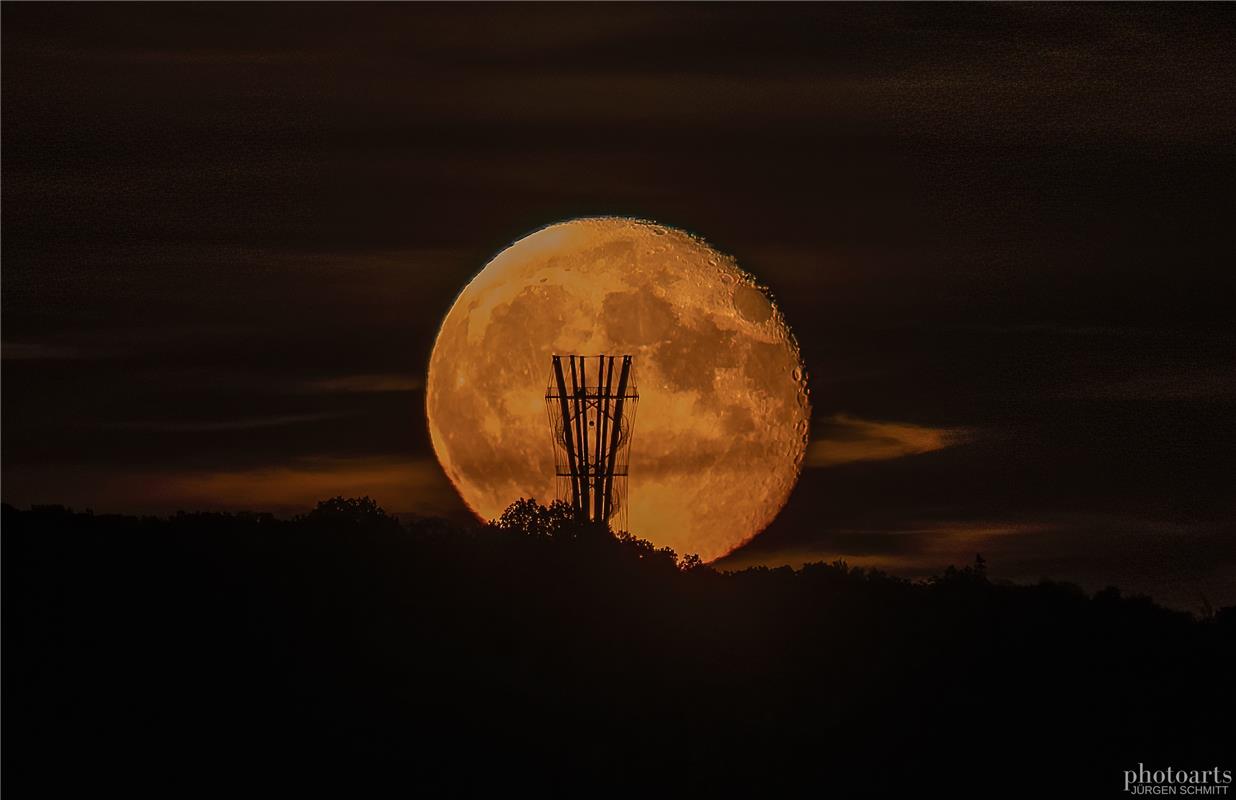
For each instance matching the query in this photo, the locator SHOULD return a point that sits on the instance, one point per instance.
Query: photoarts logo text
(1213, 782)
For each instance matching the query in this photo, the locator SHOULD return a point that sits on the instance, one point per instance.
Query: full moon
(721, 429)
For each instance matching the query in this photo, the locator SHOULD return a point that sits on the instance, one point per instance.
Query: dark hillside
(237, 652)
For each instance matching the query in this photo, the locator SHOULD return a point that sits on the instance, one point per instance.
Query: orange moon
(721, 429)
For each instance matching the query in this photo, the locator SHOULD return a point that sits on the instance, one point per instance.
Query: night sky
(1002, 234)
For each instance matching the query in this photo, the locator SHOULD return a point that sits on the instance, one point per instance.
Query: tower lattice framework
(591, 402)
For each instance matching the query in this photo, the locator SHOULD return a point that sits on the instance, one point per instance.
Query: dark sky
(230, 232)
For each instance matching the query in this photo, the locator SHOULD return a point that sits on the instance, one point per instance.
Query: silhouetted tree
(352, 512)
(528, 517)
(689, 562)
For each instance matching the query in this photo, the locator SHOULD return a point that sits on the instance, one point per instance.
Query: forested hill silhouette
(244, 653)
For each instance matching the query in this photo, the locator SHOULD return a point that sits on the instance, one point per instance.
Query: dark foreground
(344, 652)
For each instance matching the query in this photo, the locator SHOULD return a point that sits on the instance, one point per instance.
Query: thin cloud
(396, 484)
(1171, 561)
(14, 351)
(847, 439)
(1195, 384)
(392, 382)
(284, 487)
(249, 423)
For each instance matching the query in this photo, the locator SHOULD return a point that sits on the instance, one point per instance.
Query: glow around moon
(722, 422)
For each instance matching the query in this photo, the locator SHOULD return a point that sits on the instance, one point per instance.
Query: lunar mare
(723, 413)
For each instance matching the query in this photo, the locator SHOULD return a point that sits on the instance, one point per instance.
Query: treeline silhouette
(347, 650)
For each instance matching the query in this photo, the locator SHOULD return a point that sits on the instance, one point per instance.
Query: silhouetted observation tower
(591, 402)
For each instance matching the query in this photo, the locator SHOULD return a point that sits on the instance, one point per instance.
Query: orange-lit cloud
(395, 484)
(846, 439)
